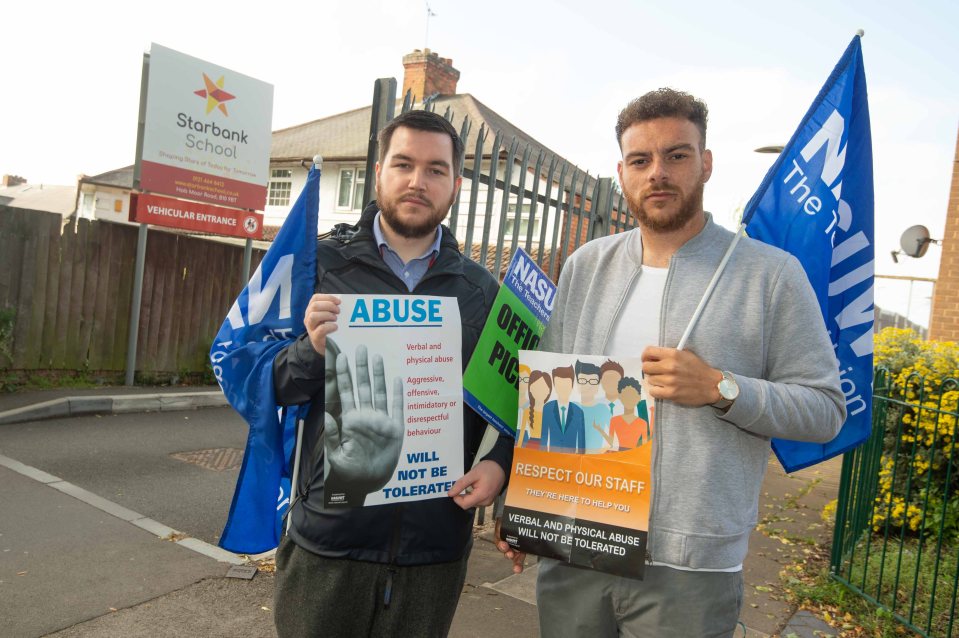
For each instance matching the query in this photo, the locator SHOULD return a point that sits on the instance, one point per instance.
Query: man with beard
(758, 365)
(399, 569)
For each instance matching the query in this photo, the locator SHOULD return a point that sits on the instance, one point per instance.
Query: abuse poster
(520, 312)
(394, 400)
(580, 482)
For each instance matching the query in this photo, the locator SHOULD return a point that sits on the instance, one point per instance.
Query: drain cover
(218, 459)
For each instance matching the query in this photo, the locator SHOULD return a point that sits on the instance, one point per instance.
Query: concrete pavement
(71, 567)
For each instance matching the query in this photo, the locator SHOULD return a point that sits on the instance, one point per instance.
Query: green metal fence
(896, 541)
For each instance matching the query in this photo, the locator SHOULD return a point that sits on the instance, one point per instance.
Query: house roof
(46, 197)
(119, 178)
(345, 136)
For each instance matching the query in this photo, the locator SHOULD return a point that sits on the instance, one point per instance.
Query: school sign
(206, 135)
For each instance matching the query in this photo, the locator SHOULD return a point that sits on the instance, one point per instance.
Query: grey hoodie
(763, 324)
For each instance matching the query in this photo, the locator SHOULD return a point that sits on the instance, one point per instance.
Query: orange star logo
(216, 97)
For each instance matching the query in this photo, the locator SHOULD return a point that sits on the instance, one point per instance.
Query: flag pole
(709, 289)
(296, 473)
(295, 477)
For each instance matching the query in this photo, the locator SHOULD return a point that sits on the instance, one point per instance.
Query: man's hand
(320, 319)
(518, 558)
(479, 486)
(680, 376)
(364, 449)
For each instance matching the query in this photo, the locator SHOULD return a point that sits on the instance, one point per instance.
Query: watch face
(728, 388)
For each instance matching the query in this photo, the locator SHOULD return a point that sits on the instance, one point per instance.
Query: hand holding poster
(394, 412)
(579, 485)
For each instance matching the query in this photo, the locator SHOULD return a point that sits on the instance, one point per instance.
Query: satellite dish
(915, 241)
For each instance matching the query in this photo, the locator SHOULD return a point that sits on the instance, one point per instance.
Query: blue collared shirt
(412, 271)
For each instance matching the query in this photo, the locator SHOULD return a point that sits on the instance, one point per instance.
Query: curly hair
(663, 102)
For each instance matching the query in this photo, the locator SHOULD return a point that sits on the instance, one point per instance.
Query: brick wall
(944, 325)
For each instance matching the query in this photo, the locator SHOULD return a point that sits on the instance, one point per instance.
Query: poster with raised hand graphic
(394, 400)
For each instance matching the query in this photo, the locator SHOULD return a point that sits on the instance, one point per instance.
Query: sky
(561, 71)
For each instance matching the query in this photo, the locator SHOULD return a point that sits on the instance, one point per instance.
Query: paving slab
(789, 527)
(804, 624)
(483, 611)
(212, 608)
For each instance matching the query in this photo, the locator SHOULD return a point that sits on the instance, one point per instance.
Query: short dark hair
(611, 366)
(583, 367)
(420, 120)
(565, 372)
(664, 102)
(629, 382)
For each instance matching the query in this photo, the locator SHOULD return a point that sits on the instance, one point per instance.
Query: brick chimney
(426, 73)
(13, 180)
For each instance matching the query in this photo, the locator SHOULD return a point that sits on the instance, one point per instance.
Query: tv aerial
(914, 242)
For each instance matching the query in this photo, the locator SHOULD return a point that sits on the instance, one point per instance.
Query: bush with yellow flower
(919, 470)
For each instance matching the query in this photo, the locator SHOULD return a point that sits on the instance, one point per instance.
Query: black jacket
(415, 533)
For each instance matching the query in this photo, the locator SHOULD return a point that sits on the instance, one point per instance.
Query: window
(523, 222)
(281, 183)
(349, 195)
(88, 206)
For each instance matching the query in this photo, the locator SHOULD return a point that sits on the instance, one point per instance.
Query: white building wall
(104, 202)
(330, 214)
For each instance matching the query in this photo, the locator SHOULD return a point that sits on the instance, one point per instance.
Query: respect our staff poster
(394, 400)
(580, 481)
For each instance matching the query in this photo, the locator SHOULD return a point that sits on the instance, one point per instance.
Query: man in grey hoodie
(759, 364)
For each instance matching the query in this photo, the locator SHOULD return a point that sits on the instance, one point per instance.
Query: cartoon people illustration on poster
(628, 430)
(588, 407)
(539, 389)
(597, 414)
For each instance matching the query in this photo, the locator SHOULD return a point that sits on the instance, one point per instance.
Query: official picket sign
(207, 132)
(395, 380)
(178, 213)
(521, 310)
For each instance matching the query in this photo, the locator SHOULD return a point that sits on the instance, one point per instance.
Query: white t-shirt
(636, 327)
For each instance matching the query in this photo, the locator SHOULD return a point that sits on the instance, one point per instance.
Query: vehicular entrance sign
(178, 213)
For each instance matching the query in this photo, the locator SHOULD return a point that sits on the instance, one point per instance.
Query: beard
(689, 206)
(420, 226)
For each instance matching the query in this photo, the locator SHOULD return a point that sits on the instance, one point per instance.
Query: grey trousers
(333, 597)
(666, 603)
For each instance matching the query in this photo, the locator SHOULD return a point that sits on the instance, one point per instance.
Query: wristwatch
(728, 391)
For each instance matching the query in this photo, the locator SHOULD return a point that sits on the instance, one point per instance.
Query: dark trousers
(334, 597)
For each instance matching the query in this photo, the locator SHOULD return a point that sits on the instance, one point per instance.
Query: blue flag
(816, 202)
(264, 319)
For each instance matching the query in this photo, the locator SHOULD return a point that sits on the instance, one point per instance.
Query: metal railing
(896, 541)
(514, 193)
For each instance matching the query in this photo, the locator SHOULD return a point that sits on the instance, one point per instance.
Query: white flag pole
(709, 289)
(296, 473)
(489, 440)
